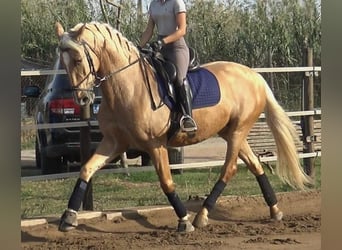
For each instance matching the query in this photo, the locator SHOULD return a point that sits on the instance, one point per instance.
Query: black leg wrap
(177, 204)
(77, 195)
(209, 203)
(267, 190)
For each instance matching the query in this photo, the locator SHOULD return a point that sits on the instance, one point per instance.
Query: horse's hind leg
(246, 154)
(160, 159)
(228, 171)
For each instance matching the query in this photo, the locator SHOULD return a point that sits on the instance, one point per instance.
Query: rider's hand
(157, 45)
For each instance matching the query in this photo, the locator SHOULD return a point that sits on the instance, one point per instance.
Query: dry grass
(28, 136)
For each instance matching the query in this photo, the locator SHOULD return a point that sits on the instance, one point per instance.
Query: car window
(50, 78)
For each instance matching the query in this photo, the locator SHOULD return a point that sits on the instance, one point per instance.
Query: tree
(38, 40)
(256, 33)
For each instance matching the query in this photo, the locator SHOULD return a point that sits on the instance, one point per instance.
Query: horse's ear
(77, 30)
(59, 30)
(80, 31)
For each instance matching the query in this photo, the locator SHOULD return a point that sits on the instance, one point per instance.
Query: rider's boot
(187, 123)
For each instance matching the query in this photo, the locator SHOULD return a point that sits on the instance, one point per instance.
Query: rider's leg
(187, 123)
(178, 54)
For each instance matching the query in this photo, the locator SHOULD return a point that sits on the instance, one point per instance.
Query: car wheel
(51, 165)
(145, 159)
(176, 156)
(37, 152)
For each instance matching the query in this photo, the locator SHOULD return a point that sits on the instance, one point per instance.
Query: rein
(147, 81)
(98, 80)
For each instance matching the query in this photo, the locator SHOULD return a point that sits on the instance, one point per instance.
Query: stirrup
(193, 128)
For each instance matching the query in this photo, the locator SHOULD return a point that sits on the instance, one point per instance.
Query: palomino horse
(97, 55)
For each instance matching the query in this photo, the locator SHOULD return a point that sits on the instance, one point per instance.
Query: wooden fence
(260, 137)
(262, 141)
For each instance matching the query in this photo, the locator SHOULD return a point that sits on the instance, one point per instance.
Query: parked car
(56, 147)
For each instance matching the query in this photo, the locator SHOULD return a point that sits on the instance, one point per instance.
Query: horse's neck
(130, 87)
(132, 98)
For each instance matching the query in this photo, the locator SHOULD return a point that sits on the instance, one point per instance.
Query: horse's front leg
(160, 159)
(105, 152)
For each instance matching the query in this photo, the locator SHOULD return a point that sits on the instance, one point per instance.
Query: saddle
(167, 74)
(167, 71)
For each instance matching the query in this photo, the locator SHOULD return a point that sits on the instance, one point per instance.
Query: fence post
(270, 64)
(308, 131)
(85, 154)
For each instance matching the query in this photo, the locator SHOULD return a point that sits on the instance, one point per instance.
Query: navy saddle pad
(204, 86)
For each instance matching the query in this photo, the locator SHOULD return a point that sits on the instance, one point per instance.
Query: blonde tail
(288, 166)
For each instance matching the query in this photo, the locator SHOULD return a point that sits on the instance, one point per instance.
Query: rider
(169, 16)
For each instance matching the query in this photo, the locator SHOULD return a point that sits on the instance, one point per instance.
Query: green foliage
(260, 34)
(255, 33)
(247, 31)
(38, 17)
(241, 31)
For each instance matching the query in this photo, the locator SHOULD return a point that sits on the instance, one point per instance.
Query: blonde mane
(110, 38)
(102, 36)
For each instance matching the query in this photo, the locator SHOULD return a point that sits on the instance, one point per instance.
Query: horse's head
(80, 60)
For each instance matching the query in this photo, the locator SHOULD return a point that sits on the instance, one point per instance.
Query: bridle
(98, 79)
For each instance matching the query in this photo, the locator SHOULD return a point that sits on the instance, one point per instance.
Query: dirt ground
(235, 223)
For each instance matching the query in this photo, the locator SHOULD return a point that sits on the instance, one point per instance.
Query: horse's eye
(77, 61)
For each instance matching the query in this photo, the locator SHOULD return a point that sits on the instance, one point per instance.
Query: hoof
(277, 216)
(275, 213)
(200, 220)
(68, 221)
(185, 226)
